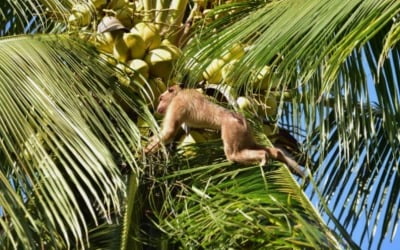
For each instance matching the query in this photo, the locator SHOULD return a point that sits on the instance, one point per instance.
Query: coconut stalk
(177, 11)
(148, 10)
(129, 226)
(161, 13)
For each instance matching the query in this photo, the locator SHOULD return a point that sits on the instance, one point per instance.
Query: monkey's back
(203, 113)
(199, 111)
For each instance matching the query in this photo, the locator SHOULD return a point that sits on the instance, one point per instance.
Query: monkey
(179, 106)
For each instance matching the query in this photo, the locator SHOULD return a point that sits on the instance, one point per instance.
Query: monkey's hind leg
(248, 156)
(277, 154)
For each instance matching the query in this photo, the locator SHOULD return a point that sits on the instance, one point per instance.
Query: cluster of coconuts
(128, 39)
(137, 45)
(141, 49)
(203, 9)
(220, 71)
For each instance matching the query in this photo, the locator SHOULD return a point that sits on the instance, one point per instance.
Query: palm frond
(361, 178)
(335, 56)
(105, 236)
(64, 138)
(208, 202)
(23, 17)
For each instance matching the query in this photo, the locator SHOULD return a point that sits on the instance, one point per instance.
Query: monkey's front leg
(168, 132)
(153, 145)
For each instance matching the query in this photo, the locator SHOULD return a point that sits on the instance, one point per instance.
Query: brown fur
(193, 108)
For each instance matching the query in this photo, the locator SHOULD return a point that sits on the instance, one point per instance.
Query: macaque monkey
(195, 110)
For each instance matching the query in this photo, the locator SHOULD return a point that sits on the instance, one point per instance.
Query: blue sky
(358, 230)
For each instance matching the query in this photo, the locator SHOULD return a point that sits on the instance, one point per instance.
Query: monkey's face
(166, 98)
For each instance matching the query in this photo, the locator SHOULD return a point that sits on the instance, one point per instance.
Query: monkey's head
(166, 98)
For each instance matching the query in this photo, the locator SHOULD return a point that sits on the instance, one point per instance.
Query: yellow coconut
(74, 20)
(79, 19)
(189, 139)
(138, 6)
(168, 45)
(120, 50)
(226, 71)
(135, 44)
(213, 71)
(243, 103)
(149, 33)
(157, 88)
(117, 4)
(272, 106)
(98, 3)
(160, 62)
(125, 16)
(139, 66)
(122, 77)
(198, 137)
(124, 80)
(264, 72)
(121, 66)
(236, 52)
(183, 143)
(267, 78)
(105, 42)
(81, 15)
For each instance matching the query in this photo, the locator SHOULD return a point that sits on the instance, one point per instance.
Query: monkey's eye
(170, 90)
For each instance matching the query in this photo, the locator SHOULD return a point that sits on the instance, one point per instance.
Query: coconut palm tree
(72, 128)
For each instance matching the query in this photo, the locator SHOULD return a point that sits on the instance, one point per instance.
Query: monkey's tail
(280, 155)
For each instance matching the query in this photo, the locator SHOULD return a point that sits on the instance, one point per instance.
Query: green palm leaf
(63, 139)
(335, 56)
(19, 17)
(215, 204)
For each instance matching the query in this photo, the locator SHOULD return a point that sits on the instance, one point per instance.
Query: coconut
(160, 62)
(272, 106)
(120, 50)
(98, 3)
(139, 66)
(236, 52)
(125, 16)
(168, 45)
(157, 88)
(105, 42)
(117, 4)
(227, 70)
(149, 33)
(135, 44)
(213, 71)
(81, 15)
(243, 103)
(79, 19)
